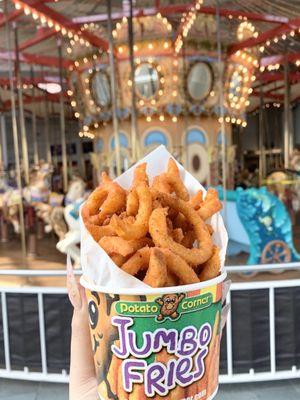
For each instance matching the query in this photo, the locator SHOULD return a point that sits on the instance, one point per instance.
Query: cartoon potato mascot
(169, 304)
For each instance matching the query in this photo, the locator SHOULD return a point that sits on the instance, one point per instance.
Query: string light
(187, 22)
(28, 10)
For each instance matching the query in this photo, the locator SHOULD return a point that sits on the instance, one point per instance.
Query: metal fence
(230, 377)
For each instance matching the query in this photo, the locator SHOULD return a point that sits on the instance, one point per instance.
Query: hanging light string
(187, 21)
(52, 24)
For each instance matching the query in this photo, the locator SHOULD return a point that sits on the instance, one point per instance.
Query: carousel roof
(277, 23)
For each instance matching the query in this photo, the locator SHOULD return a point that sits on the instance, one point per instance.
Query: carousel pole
(34, 132)
(113, 88)
(21, 107)
(47, 131)
(3, 141)
(15, 133)
(261, 130)
(134, 128)
(62, 120)
(222, 114)
(287, 138)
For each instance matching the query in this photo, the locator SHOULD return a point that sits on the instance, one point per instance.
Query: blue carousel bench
(259, 223)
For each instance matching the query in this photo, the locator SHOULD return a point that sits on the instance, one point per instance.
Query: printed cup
(157, 343)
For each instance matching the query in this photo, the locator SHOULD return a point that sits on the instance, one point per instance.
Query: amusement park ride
(183, 75)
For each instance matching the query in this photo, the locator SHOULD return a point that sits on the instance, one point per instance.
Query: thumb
(82, 369)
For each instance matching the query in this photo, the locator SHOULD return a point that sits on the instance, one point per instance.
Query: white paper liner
(97, 266)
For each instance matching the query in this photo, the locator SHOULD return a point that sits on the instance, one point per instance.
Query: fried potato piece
(172, 279)
(157, 274)
(116, 245)
(211, 268)
(115, 198)
(159, 230)
(197, 200)
(189, 239)
(173, 176)
(210, 229)
(118, 259)
(162, 184)
(211, 204)
(140, 178)
(139, 228)
(177, 235)
(180, 221)
(132, 203)
(180, 268)
(96, 231)
(140, 175)
(139, 260)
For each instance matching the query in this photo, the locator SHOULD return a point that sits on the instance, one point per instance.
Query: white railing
(230, 377)
(270, 285)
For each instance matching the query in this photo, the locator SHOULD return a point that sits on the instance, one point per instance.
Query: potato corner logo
(167, 307)
(169, 304)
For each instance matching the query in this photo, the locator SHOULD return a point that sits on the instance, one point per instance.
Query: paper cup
(156, 343)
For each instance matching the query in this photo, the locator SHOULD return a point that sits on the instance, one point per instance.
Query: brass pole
(134, 127)
(21, 107)
(261, 132)
(113, 89)
(286, 114)
(47, 132)
(62, 120)
(33, 119)
(2, 134)
(4, 141)
(15, 133)
(223, 136)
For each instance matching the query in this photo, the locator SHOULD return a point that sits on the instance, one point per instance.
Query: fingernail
(72, 286)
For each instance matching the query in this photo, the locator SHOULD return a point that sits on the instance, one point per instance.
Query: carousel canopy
(82, 28)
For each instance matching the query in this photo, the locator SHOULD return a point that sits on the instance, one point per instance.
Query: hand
(83, 382)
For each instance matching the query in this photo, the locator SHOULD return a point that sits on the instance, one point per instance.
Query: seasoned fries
(156, 231)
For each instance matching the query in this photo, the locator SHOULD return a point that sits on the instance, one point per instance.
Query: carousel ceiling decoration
(166, 86)
(83, 28)
(51, 23)
(187, 21)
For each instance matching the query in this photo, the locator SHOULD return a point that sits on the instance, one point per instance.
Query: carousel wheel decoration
(276, 251)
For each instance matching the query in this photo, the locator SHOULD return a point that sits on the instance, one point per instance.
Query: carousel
(89, 87)
(97, 94)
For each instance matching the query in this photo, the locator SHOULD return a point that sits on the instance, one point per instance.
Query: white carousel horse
(38, 189)
(68, 243)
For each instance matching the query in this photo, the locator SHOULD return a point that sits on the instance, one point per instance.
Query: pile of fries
(157, 232)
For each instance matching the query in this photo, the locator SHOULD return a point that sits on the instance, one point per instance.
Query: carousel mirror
(199, 81)
(146, 81)
(100, 89)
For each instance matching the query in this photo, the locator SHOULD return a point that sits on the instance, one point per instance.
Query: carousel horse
(65, 221)
(38, 190)
(10, 200)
